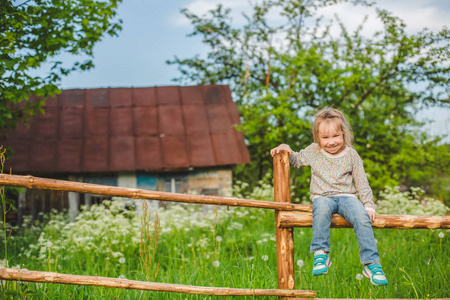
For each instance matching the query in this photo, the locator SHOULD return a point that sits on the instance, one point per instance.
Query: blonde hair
(336, 118)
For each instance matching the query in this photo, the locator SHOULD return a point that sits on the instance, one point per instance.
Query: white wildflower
(265, 258)
(3, 263)
(116, 254)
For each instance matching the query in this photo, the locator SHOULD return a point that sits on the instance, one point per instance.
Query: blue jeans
(354, 212)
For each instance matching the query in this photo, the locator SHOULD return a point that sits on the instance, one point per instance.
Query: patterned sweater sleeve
(361, 183)
(302, 158)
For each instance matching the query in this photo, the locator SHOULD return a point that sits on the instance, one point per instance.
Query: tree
(34, 32)
(282, 73)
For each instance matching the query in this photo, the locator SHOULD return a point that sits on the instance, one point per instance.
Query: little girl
(337, 178)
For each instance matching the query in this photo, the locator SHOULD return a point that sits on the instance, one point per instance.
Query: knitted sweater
(332, 175)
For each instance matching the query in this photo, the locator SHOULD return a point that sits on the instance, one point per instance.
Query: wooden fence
(287, 216)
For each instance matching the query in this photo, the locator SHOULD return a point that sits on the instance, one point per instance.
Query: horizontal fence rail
(303, 219)
(32, 182)
(53, 277)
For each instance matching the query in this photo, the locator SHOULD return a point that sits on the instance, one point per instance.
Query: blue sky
(154, 31)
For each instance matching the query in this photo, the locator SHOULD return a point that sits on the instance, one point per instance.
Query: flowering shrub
(107, 229)
(415, 202)
(263, 191)
(113, 232)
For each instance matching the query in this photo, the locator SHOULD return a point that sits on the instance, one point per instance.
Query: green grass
(416, 262)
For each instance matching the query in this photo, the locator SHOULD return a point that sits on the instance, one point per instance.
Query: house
(168, 138)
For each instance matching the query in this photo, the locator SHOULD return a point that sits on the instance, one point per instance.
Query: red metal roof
(127, 129)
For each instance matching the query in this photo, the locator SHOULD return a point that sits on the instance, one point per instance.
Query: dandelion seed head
(122, 276)
(300, 263)
(359, 276)
(216, 263)
(219, 238)
(122, 260)
(441, 235)
(265, 258)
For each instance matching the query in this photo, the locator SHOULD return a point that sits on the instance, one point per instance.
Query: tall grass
(222, 248)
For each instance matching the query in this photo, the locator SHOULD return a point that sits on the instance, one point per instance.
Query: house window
(175, 184)
(103, 179)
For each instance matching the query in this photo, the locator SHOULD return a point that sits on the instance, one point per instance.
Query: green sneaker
(375, 274)
(321, 263)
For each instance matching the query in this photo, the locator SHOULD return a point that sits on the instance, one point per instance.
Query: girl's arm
(297, 159)
(362, 186)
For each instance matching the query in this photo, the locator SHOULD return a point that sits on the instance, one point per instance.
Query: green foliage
(34, 32)
(426, 165)
(394, 202)
(281, 72)
(264, 191)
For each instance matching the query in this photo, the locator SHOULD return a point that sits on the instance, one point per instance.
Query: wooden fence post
(285, 236)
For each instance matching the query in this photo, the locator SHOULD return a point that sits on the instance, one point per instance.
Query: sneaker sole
(368, 276)
(320, 274)
(329, 265)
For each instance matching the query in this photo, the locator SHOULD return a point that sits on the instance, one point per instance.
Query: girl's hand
(282, 147)
(372, 215)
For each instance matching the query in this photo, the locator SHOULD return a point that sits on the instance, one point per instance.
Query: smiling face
(331, 137)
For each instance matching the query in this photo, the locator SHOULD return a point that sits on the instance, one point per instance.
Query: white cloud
(417, 14)
(201, 7)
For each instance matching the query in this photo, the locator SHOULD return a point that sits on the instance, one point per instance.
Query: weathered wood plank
(53, 277)
(304, 219)
(284, 236)
(80, 187)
